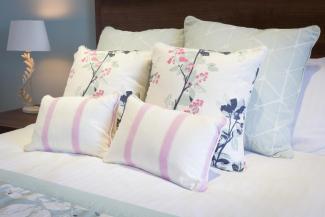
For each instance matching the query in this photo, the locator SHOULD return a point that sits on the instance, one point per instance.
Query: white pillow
(97, 73)
(174, 145)
(81, 125)
(309, 131)
(274, 97)
(114, 39)
(104, 72)
(207, 82)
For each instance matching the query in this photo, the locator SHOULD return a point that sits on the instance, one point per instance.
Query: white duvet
(268, 187)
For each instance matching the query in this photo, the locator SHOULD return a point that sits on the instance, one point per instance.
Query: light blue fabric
(270, 113)
(16, 201)
(91, 202)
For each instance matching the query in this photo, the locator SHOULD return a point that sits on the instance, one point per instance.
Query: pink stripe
(133, 131)
(214, 142)
(167, 144)
(45, 131)
(76, 126)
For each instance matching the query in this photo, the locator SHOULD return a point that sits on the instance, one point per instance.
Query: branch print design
(187, 76)
(193, 72)
(123, 101)
(235, 115)
(191, 77)
(95, 62)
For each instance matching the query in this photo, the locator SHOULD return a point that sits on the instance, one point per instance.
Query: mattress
(268, 187)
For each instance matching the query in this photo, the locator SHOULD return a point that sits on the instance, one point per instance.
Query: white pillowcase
(174, 145)
(81, 125)
(207, 82)
(114, 39)
(98, 73)
(104, 72)
(309, 131)
(271, 109)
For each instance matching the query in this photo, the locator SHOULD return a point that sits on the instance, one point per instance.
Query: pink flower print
(180, 51)
(94, 58)
(169, 61)
(98, 93)
(84, 59)
(105, 72)
(194, 106)
(201, 77)
(177, 54)
(154, 79)
(183, 59)
(189, 67)
(93, 53)
(71, 74)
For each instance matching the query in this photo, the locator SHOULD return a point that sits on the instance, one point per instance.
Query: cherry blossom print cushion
(206, 82)
(179, 150)
(80, 125)
(98, 73)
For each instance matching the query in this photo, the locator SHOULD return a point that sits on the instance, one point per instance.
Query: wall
(69, 23)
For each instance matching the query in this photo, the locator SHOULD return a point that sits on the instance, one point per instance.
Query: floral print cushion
(19, 202)
(97, 73)
(206, 82)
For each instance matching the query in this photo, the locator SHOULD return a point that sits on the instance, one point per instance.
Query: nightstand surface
(15, 119)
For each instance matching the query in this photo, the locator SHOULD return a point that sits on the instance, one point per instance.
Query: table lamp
(27, 36)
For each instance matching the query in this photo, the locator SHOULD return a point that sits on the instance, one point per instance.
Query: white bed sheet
(268, 187)
(309, 130)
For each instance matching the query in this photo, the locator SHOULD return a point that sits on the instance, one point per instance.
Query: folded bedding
(268, 187)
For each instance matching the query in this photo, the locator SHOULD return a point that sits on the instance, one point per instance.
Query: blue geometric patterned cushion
(271, 109)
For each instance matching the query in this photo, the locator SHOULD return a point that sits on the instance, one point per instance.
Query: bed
(61, 184)
(269, 187)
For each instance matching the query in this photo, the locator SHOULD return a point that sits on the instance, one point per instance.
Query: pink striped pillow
(81, 125)
(174, 145)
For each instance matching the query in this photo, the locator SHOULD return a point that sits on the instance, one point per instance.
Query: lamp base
(31, 109)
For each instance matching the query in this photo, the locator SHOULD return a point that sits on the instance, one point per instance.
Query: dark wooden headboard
(137, 15)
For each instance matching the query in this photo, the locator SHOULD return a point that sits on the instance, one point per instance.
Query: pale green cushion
(271, 109)
(114, 39)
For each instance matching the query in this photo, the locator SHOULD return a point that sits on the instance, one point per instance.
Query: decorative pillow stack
(114, 39)
(207, 82)
(81, 125)
(179, 150)
(98, 73)
(271, 109)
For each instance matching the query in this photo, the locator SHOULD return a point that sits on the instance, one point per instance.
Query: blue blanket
(22, 195)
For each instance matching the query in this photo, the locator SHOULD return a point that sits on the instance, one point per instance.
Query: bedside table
(15, 119)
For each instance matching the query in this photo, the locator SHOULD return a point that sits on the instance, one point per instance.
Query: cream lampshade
(27, 36)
